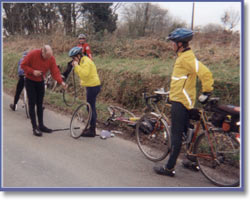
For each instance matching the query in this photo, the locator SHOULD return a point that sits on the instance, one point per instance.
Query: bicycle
(216, 151)
(153, 128)
(80, 120)
(121, 115)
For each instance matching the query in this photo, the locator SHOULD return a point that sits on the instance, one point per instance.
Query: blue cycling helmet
(181, 35)
(75, 51)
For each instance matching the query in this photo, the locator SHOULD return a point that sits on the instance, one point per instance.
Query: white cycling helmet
(82, 36)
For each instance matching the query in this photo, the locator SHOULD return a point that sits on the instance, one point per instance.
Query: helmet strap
(178, 47)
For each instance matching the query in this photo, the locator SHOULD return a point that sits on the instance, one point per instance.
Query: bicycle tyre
(225, 170)
(80, 120)
(25, 102)
(155, 144)
(67, 96)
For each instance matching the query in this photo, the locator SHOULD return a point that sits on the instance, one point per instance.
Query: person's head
(76, 53)
(180, 38)
(47, 52)
(82, 38)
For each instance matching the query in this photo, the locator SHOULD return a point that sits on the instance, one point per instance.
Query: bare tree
(144, 19)
(230, 19)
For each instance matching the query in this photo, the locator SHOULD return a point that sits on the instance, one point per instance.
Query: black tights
(180, 124)
(35, 92)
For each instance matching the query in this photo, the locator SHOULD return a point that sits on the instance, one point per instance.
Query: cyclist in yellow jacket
(86, 70)
(183, 92)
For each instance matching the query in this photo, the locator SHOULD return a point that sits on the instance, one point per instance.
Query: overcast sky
(205, 12)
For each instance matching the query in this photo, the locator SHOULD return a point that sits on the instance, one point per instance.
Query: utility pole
(192, 23)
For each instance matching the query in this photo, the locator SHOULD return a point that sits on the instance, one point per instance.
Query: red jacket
(34, 61)
(86, 49)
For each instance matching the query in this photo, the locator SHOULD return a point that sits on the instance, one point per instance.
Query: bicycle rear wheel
(80, 120)
(25, 102)
(153, 136)
(224, 170)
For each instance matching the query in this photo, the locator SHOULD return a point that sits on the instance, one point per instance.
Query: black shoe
(45, 129)
(190, 165)
(13, 107)
(37, 132)
(164, 171)
(88, 133)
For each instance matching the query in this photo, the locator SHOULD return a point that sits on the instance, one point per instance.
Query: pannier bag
(226, 117)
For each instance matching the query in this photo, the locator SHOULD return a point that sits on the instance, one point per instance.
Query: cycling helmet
(82, 36)
(181, 35)
(75, 51)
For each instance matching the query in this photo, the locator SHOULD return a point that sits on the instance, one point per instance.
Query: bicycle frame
(202, 122)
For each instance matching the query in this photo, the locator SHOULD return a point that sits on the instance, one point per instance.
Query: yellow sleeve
(206, 78)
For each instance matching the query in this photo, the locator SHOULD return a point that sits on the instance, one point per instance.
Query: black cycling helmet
(75, 51)
(181, 35)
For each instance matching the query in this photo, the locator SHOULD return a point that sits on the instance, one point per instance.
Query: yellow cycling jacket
(87, 72)
(183, 80)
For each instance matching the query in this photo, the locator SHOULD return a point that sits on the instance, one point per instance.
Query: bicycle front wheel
(153, 136)
(223, 166)
(25, 102)
(69, 95)
(80, 120)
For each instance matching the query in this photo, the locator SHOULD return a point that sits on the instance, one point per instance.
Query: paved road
(57, 160)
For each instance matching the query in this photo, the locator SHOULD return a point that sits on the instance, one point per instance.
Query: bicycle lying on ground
(216, 150)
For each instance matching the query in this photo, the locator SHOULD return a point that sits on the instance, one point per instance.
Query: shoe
(37, 132)
(45, 129)
(88, 133)
(190, 165)
(13, 107)
(164, 171)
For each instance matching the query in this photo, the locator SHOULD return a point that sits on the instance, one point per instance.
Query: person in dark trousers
(35, 65)
(20, 84)
(86, 70)
(183, 92)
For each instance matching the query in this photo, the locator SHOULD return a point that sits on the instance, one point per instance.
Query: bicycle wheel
(69, 95)
(80, 120)
(224, 170)
(153, 136)
(25, 102)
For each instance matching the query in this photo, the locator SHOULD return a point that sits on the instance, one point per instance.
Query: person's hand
(37, 73)
(74, 63)
(64, 85)
(204, 97)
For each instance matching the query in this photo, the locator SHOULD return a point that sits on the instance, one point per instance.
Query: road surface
(58, 161)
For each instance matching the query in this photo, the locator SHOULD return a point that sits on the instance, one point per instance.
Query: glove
(204, 97)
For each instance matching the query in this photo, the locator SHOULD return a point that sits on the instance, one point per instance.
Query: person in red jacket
(85, 46)
(85, 51)
(35, 65)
